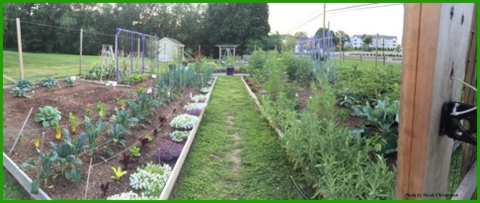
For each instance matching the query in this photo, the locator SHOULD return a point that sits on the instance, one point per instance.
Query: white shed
(170, 49)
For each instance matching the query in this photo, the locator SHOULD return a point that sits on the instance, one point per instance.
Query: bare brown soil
(73, 99)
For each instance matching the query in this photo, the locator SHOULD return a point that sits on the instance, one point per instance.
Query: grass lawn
(366, 63)
(12, 190)
(235, 154)
(36, 66)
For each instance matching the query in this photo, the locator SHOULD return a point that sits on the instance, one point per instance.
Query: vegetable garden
(86, 140)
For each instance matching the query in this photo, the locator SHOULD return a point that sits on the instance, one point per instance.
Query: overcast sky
(287, 18)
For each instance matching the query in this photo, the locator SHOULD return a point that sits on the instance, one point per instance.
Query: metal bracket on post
(453, 120)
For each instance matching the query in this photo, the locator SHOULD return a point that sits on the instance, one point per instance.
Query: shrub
(150, 179)
(168, 151)
(333, 163)
(48, 116)
(179, 136)
(184, 122)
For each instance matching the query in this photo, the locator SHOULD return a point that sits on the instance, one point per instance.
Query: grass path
(235, 154)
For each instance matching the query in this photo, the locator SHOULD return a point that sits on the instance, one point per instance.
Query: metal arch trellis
(319, 49)
(143, 36)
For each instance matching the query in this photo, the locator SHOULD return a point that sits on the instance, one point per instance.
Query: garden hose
(298, 188)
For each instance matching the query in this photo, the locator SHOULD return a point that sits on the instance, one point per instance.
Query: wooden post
(19, 42)
(81, 49)
(361, 54)
(220, 53)
(376, 52)
(435, 50)
(470, 95)
(341, 48)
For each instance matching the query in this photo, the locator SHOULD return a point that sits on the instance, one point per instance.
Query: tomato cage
(135, 52)
(320, 49)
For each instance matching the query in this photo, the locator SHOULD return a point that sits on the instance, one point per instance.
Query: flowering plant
(194, 112)
(184, 121)
(179, 136)
(150, 179)
(194, 106)
(199, 98)
(130, 195)
(168, 151)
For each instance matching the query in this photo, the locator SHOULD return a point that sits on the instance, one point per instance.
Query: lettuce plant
(150, 179)
(184, 122)
(179, 136)
(205, 90)
(70, 81)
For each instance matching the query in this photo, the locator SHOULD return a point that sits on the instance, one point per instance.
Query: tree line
(54, 28)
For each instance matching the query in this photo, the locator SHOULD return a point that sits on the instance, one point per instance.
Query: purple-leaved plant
(168, 151)
(194, 112)
(104, 188)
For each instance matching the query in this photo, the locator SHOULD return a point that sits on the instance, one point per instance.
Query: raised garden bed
(74, 100)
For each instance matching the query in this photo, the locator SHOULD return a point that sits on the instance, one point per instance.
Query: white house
(170, 49)
(384, 41)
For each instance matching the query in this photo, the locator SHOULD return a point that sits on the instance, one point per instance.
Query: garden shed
(170, 49)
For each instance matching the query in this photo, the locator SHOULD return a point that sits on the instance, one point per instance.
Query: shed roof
(178, 43)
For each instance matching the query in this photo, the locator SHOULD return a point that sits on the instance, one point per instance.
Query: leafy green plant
(333, 163)
(142, 106)
(133, 79)
(135, 151)
(123, 118)
(73, 122)
(92, 132)
(49, 82)
(116, 133)
(298, 69)
(345, 98)
(118, 173)
(184, 122)
(21, 88)
(199, 98)
(70, 81)
(381, 120)
(48, 115)
(205, 90)
(100, 107)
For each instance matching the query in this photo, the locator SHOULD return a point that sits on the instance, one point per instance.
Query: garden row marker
(20, 53)
(435, 50)
(81, 48)
(20, 132)
(88, 178)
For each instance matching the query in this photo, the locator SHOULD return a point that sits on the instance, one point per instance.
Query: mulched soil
(73, 99)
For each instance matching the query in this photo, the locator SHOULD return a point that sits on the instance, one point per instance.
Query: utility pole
(376, 52)
(383, 50)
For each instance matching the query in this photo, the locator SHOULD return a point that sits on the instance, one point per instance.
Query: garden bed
(73, 99)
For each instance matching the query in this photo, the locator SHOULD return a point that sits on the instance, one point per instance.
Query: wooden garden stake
(20, 53)
(88, 178)
(20, 132)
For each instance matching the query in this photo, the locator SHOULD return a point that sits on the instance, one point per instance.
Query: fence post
(81, 50)
(470, 96)
(435, 50)
(19, 42)
(361, 57)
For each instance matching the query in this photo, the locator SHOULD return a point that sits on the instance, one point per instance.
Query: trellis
(143, 51)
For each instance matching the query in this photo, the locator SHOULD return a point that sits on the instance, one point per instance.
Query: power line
(327, 12)
(339, 10)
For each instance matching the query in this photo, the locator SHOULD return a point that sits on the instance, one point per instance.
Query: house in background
(170, 49)
(390, 41)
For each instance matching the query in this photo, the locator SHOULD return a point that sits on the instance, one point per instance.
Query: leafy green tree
(367, 40)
